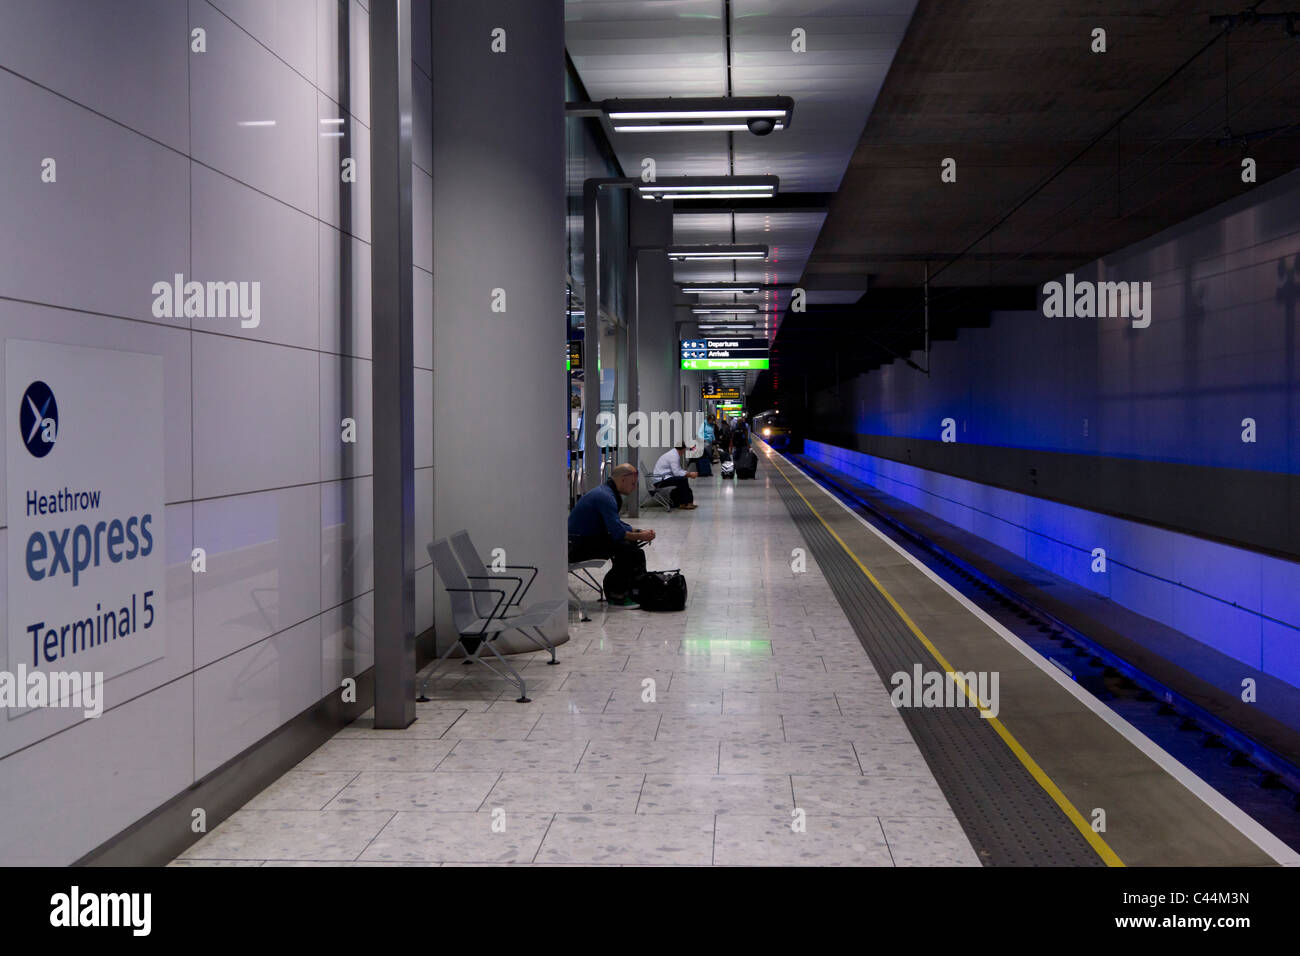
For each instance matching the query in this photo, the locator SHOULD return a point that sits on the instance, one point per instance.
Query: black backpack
(660, 591)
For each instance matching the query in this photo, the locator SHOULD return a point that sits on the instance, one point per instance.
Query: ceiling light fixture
(715, 252)
(704, 114)
(710, 187)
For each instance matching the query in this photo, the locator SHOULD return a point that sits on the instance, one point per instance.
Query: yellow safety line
(1109, 856)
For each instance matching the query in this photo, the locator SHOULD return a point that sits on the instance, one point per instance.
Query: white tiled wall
(157, 176)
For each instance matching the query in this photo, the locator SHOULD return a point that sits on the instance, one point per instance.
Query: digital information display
(574, 359)
(725, 354)
(717, 393)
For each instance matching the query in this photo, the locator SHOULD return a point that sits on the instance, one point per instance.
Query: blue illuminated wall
(1240, 602)
(1222, 346)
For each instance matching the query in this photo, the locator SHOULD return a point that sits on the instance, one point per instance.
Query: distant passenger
(739, 435)
(670, 472)
(724, 439)
(596, 531)
(708, 436)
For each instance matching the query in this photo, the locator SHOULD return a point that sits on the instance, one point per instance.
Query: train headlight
(767, 432)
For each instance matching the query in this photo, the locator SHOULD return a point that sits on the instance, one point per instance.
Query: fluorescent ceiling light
(720, 290)
(711, 187)
(696, 253)
(687, 187)
(689, 128)
(713, 195)
(722, 310)
(702, 114)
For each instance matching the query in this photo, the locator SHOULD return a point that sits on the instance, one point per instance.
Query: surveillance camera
(761, 125)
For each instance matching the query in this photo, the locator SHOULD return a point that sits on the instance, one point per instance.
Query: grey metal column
(678, 383)
(498, 291)
(633, 379)
(393, 363)
(590, 330)
(652, 384)
(591, 333)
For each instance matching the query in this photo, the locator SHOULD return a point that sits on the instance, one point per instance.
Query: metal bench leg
(434, 667)
(515, 677)
(582, 605)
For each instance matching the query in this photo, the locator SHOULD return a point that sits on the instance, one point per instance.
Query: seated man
(595, 531)
(670, 472)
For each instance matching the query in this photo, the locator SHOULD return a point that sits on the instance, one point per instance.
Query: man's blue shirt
(596, 515)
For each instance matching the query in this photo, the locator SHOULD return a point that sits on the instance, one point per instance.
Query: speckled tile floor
(769, 741)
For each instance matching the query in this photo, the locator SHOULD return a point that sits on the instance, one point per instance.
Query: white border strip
(1216, 801)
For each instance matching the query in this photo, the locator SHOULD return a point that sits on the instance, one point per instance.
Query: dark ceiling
(1011, 90)
(1063, 156)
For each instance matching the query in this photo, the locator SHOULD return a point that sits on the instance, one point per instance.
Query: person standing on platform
(708, 436)
(739, 435)
(724, 439)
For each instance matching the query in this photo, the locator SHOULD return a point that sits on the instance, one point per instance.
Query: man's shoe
(626, 604)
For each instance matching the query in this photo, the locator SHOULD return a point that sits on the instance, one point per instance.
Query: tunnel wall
(1069, 434)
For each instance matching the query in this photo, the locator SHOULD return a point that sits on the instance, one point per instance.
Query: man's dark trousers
(628, 558)
(681, 489)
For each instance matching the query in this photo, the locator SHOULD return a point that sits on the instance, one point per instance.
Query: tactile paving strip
(1009, 819)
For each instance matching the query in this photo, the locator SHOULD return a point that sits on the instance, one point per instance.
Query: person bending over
(595, 531)
(670, 472)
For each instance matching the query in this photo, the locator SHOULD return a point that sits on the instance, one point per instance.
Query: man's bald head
(624, 477)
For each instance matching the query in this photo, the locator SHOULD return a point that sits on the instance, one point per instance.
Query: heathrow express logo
(38, 419)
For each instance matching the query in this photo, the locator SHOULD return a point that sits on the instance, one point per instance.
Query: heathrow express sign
(725, 354)
(84, 499)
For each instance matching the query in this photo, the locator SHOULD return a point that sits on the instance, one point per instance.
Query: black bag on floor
(746, 463)
(660, 591)
(704, 467)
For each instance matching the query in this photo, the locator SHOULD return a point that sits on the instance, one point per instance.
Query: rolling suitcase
(746, 463)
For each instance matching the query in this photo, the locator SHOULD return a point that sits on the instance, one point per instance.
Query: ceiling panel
(651, 48)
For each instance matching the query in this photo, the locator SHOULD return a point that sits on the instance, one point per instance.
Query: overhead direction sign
(725, 353)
